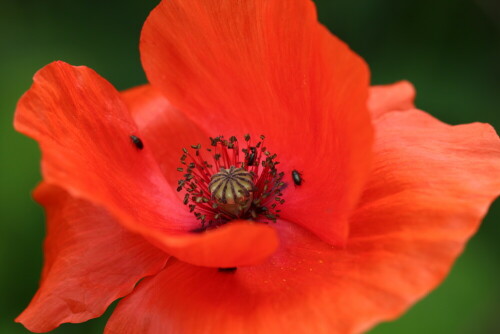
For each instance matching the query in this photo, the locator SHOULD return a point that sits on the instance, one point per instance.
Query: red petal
(84, 128)
(268, 67)
(427, 171)
(239, 243)
(90, 261)
(398, 96)
(429, 190)
(304, 288)
(164, 128)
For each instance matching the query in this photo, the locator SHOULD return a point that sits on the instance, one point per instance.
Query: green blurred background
(450, 50)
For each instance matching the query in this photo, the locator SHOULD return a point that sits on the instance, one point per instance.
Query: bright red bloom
(389, 195)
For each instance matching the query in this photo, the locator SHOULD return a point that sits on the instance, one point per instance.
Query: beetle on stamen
(252, 156)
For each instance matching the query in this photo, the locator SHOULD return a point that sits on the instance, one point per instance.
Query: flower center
(232, 189)
(224, 182)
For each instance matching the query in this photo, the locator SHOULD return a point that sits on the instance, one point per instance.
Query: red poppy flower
(376, 199)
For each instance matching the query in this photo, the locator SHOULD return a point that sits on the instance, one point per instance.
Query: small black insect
(296, 177)
(137, 142)
(252, 156)
(227, 270)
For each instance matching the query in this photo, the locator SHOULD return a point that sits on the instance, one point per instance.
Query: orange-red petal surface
(83, 128)
(431, 185)
(239, 243)
(431, 172)
(165, 129)
(90, 261)
(268, 67)
(396, 97)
